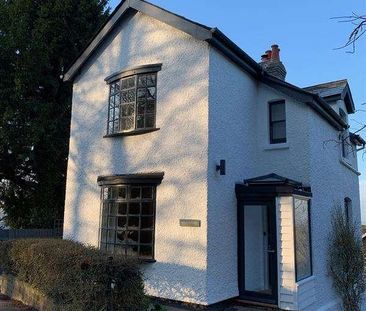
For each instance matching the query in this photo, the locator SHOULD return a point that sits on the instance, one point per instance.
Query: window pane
(147, 208)
(146, 237)
(141, 93)
(128, 110)
(134, 209)
(121, 237)
(146, 251)
(111, 236)
(122, 193)
(146, 223)
(112, 209)
(121, 222)
(132, 250)
(133, 222)
(122, 208)
(103, 236)
(141, 107)
(278, 112)
(142, 80)
(151, 93)
(135, 192)
(147, 192)
(150, 120)
(104, 222)
(119, 250)
(132, 237)
(279, 130)
(140, 121)
(127, 123)
(151, 80)
(150, 108)
(111, 222)
(302, 239)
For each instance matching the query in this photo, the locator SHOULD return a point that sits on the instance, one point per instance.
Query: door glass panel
(257, 252)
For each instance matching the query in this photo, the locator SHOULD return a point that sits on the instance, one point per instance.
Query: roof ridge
(325, 83)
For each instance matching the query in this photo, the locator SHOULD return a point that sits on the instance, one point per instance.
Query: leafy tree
(38, 40)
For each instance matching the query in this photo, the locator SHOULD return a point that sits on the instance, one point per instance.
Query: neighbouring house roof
(216, 39)
(333, 91)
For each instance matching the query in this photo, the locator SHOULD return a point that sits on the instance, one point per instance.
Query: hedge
(73, 275)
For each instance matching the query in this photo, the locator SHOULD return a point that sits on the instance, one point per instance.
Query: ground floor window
(302, 239)
(128, 206)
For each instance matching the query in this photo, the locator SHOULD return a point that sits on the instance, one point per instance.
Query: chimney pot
(275, 52)
(271, 63)
(264, 58)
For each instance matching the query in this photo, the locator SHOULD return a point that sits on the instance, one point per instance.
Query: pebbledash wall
(238, 133)
(207, 110)
(179, 149)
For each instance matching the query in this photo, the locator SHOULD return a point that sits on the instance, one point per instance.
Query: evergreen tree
(38, 40)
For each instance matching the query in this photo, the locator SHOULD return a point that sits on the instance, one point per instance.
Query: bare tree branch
(359, 21)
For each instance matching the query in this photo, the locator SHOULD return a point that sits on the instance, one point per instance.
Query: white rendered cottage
(211, 168)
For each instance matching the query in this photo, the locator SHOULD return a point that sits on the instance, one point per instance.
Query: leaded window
(128, 220)
(132, 100)
(132, 103)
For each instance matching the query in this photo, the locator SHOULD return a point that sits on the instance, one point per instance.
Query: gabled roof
(333, 91)
(216, 39)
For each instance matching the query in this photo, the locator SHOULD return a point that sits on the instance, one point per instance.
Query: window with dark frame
(303, 255)
(277, 122)
(348, 210)
(127, 224)
(132, 100)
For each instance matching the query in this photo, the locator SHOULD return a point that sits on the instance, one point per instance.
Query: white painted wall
(196, 265)
(179, 149)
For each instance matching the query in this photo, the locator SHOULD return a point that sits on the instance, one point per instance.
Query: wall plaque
(190, 223)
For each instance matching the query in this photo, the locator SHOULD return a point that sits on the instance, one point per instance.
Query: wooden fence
(11, 234)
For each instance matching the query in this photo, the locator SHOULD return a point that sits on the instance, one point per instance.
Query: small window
(127, 225)
(132, 100)
(277, 122)
(344, 144)
(348, 210)
(302, 239)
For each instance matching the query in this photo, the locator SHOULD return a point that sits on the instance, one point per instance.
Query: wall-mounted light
(222, 167)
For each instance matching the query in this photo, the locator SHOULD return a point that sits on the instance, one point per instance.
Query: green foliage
(73, 275)
(346, 262)
(38, 40)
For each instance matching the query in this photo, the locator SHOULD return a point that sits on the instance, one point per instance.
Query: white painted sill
(307, 280)
(349, 166)
(276, 146)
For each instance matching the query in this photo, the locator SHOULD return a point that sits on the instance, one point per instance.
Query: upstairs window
(132, 100)
(277, 122)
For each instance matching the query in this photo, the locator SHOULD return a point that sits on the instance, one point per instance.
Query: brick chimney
(272, 64)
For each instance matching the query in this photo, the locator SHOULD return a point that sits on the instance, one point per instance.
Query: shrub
(346, 262)
(73, 275)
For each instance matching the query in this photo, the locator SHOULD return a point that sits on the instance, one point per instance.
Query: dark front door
(258, 251)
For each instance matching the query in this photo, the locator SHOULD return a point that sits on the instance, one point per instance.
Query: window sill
(132, 133)
(345, 163)
(308, 279)
(277, 146)
(142, 260)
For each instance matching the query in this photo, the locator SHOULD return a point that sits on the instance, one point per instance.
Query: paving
(10, 305)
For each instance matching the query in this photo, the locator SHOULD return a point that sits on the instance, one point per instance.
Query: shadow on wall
(179, 149)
